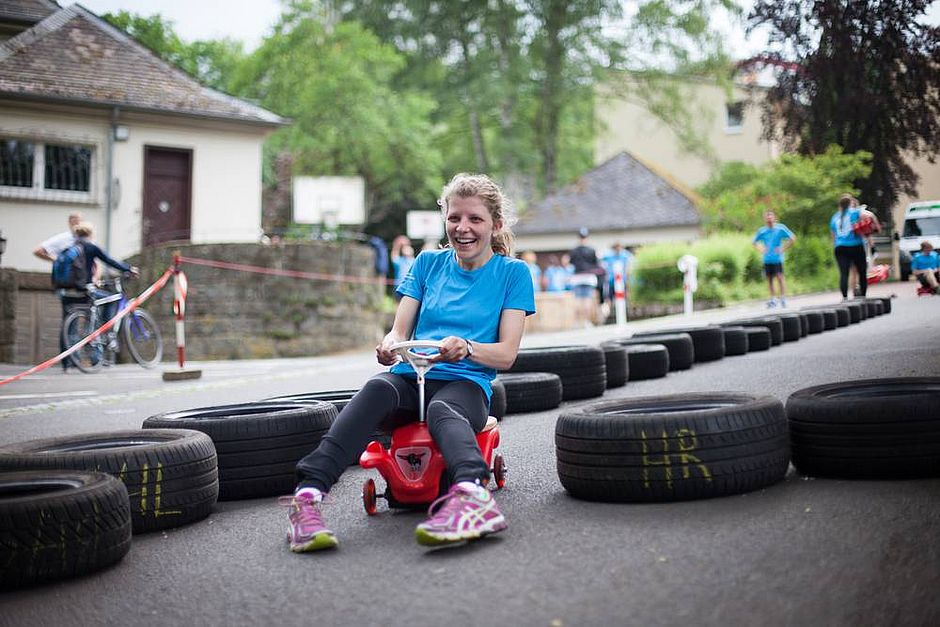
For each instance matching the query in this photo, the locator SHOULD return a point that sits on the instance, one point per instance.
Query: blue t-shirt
(929, 261)
(464, 303)
(536, 273)
(402, 265)
(773, 240)
(841, 227)
(610, 261)
(556, 279)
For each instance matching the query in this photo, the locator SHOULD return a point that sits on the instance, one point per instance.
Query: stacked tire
(708, 342)
(258, 444)
(171, 475)
(582, 369)
(56, 524)
(670, 448)
(531, 391)
(869, 429)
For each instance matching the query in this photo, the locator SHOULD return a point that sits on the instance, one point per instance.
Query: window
(45, 170)
(734, 117)
(16, 163)
(68, 167)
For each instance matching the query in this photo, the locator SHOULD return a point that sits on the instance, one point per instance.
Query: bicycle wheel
(142, 337)
(76, 326)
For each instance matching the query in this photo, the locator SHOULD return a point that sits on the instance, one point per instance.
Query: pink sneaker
(464, 513)
(307, 531)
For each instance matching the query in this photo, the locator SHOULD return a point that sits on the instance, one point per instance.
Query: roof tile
(73, 55)
(621, 193)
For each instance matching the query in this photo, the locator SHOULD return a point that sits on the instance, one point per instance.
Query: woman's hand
(383, 352)
(453, 349)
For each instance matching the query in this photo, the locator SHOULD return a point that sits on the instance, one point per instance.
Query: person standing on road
(618, 258)
(48, 251)
(925, 265)
(772, 240)
(473, 297)
(849, 246)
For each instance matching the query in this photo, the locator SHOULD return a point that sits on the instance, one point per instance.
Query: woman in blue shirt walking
(849, 246)
(473, 297)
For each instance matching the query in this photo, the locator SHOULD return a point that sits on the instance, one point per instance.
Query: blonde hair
(465, 185)
(83, 229)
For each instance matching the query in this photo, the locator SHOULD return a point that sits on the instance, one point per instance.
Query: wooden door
(167, 195)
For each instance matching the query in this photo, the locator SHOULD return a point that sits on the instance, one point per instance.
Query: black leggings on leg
(455, 410)
(847, 256)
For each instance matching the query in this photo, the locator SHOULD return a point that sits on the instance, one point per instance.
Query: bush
(730, 269)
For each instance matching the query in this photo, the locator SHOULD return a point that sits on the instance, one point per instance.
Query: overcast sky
(250, 20)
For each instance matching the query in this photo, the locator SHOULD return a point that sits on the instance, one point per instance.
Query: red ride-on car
(413, 468)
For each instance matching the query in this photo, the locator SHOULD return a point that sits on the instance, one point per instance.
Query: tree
(801, 190)
(866, 77)
(214, 63)
(338, 85)
(515, 79)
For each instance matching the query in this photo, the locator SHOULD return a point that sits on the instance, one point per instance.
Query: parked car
(921, 222)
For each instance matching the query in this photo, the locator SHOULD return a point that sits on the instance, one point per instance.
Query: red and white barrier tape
(131, 306)
(297, 274)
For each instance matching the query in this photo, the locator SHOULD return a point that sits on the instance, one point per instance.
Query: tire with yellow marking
(672, 448)
(56, 524)
(171, 475)
(258, 444)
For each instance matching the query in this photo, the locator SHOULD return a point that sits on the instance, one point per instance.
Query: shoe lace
(307, 510)
(445, 506)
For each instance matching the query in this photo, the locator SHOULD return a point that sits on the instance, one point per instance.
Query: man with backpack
(51, 248)
(73, 271)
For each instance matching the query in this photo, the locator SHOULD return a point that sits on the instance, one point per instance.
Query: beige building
(91, 121)
(731, 123)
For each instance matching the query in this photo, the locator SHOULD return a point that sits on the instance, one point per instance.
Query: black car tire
(171, 475)
(870, 429)
(56, 524)
(680, 347)
(617, 365)
(531, 391)
(708, 343)
(255, 442)
(671, 448)
(582, 368)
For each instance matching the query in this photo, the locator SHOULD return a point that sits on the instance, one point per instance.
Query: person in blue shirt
(473, 297)
(556, 275)
(849, 247)
(772, 240)
(617, 258)
(925, 265)
(531, 260)
(403, 257)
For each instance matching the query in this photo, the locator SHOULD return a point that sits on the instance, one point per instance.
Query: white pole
(620, 295)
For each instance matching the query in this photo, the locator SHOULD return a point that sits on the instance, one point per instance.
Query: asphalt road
(806, 551)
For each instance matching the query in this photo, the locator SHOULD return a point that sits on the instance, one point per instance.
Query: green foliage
(729, 270)
(802, 190)
(349, 117)
(215, 63)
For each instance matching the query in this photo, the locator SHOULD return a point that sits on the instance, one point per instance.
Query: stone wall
(233, 314)
(30, 317)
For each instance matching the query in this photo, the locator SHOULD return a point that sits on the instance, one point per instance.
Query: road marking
(5, 397)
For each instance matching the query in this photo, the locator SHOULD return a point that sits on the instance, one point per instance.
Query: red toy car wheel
(368, 496)
(499, 472)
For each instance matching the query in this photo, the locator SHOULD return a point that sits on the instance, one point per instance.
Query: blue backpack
(70, 268)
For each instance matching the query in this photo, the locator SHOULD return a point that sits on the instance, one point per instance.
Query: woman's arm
(500, 355)
(405, 317)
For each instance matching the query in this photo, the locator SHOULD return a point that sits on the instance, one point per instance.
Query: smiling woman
(472, 299)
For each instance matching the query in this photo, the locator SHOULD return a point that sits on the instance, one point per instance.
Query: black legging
(845, 257)
(456, 411)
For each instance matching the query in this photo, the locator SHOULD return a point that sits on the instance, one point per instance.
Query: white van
(921, 222)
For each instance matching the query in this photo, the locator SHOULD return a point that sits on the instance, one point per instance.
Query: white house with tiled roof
(83, 104)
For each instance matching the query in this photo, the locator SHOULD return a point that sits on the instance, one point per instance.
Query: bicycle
(138, 331)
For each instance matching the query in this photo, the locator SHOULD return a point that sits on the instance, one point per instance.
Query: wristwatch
(469, 348)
